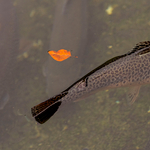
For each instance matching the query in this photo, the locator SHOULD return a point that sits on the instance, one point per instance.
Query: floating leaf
(60, 55)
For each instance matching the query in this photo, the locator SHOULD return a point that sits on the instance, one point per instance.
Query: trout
(129, 70)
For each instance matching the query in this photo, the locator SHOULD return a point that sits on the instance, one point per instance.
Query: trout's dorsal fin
(142, 45)
(139, 46)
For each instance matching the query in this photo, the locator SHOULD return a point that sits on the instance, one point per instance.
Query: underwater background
(102, 121)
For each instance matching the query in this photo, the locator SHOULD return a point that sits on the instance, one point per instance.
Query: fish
(8, 48)
(69, 32)
(128, 70)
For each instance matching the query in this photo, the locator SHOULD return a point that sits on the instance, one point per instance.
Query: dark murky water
(95, 31)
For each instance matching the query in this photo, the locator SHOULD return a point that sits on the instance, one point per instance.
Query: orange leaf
(60, 55)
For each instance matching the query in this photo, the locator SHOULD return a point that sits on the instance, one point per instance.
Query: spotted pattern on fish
(129, 70)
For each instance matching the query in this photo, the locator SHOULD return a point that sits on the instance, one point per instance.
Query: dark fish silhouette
(69, 32)
(131, 69)
(8, 47)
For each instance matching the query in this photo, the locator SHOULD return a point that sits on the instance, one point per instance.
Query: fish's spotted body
(128, 70)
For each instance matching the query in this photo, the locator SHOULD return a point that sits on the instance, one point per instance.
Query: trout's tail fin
(43, 111)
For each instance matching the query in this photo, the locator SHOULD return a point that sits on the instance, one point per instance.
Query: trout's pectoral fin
(133, 94)
(81, 86)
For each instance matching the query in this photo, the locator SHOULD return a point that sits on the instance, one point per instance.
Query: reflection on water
(99, 120)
